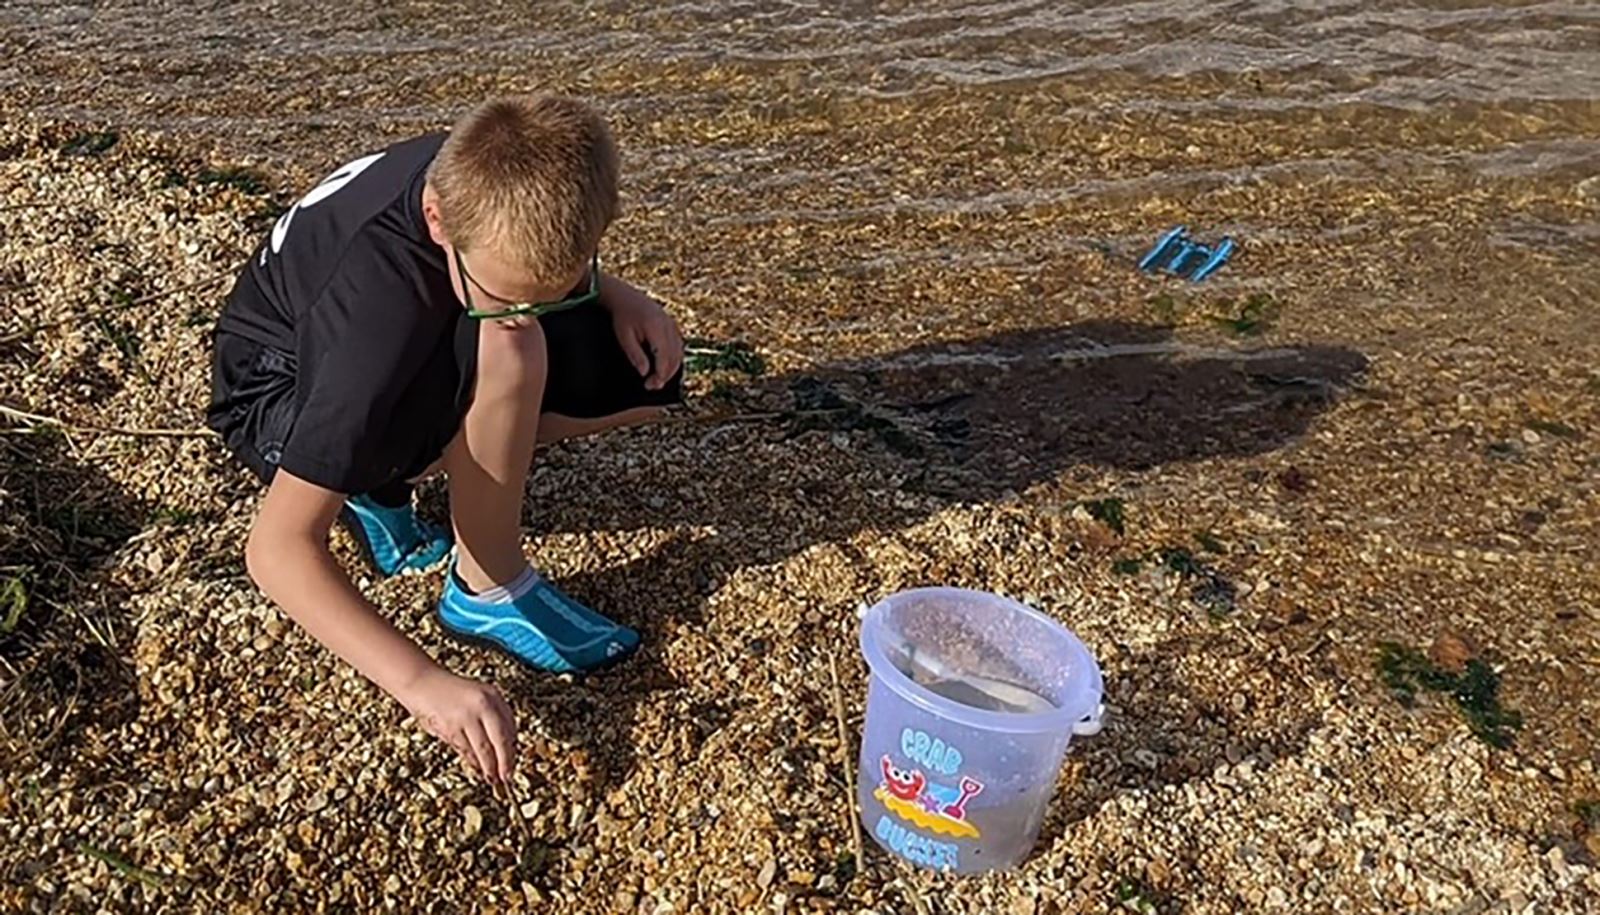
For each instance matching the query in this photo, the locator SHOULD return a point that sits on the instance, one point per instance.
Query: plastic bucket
(971, 703)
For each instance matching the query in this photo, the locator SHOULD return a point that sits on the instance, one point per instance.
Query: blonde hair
(531, 178)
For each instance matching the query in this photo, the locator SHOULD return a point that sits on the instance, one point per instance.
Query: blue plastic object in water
(1178, 254)
(1219, 256)
(1163, 250)
(972, 701)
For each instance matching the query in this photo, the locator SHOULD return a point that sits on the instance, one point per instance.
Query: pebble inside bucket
(971, 703)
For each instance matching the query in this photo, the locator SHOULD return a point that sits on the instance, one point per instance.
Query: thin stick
(907, 883)
(117, 306)
(36, 419)
(747, 417)
(844, 759)
(724, 418)
(123, 867)
(514, 801)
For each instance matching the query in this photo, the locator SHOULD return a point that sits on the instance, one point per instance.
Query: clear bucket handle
(1091, 723)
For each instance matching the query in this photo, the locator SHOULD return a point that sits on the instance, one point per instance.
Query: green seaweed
(83, 523)
(1180, 560)
(702, 355)
(14, 599)
(1134, 896)
(1559, 430)
(1216, 594)
(122, 866)
(265, 215)
(244, 180)
(536, 859)
(175, 517)
(812, 395)
(1165, 308)
(1588, 810)
(123, 336)
(1210, 588)
(93, 143)
(1110, 512)
(1209, 543)
(820, 407)
(1475, 690)
(844, 868)
(1502, 450)
(1254, 316)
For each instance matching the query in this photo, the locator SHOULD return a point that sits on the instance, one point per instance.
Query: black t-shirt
(351, 284)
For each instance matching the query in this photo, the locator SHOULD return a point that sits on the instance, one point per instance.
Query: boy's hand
(642, 327)
(288, 557)
(468, 715)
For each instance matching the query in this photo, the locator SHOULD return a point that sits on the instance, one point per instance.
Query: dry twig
(512, 799)
(849, 768)
(720, 418)
(907, 883)
(37, 419)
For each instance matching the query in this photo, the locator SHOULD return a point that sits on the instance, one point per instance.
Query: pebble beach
(1329, 521)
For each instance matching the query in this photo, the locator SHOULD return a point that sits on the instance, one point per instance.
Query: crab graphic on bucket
(938, 808)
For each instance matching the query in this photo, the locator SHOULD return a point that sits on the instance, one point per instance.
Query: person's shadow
(61, 613)
(803, 459)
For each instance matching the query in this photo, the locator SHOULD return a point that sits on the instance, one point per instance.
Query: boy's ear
(430, 215)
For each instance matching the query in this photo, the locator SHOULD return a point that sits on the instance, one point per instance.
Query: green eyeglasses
(527, 308)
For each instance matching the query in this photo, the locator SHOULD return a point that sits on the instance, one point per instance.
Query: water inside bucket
(965, 687)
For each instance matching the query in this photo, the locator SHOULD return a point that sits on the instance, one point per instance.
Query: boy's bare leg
(488, 461)
(499, 598)
(553, 427)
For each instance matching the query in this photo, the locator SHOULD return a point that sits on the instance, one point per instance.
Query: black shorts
(253, 390)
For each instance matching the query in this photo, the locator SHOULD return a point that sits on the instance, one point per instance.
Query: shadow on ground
(958, 422)
(60, 518)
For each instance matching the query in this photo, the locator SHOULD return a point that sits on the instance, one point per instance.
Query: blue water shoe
(543, 628)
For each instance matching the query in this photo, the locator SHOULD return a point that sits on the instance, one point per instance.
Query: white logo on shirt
(329, 186)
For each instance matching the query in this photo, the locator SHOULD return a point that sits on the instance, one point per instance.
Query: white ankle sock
(506, 593)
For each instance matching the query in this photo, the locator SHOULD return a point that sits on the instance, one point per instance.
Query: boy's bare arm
(289, 560)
